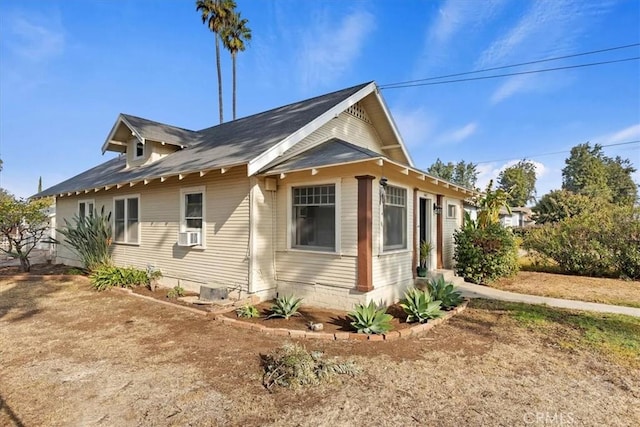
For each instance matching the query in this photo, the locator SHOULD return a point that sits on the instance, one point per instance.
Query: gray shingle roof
(229, 144)
(332, 152)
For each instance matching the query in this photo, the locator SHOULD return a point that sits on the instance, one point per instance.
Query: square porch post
(364, 277)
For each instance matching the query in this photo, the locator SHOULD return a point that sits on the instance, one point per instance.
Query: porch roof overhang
(339, 153)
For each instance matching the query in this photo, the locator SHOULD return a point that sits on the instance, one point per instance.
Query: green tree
(234, 35)
(490, 204)
(216, 14)
(519, 181)
(560, 204)
(23, 223)
(461, 173)
(39, 184)
(624, 190)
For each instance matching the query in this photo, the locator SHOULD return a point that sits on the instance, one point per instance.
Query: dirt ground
(594, 289)
(36, 269)
(70, 356)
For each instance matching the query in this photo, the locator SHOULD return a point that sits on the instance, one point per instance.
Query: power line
(512, 66)
(556, 152)
(544, 70)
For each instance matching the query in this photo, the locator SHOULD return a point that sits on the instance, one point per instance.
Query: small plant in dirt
(153, 275)
(420, 306)
(73, 271)
(285, 306)
(445, 292)
(292, 365)
(247, 311)
(369, 319)
(175, 292)
(108, 276)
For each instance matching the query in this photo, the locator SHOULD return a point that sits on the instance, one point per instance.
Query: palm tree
(234, 34)
(216, 13)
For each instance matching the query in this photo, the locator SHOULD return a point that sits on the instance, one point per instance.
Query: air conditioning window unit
(189, 238)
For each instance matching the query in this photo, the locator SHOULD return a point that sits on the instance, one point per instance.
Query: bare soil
(75, 357)
(45, 269)
(593, 289)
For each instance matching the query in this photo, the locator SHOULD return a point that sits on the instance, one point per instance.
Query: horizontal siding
(223, 262)
(263, 224)
(323, 269)
(449, 226)
(392, 269)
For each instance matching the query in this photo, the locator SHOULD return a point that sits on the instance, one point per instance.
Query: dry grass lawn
(74, 357)
(593, 289)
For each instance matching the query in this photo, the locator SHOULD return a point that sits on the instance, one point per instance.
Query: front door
(424, 223)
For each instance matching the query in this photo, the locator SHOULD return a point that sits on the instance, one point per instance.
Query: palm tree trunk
(219, 77)
(233, 58)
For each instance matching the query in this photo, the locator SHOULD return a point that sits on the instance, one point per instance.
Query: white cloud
(329, 49)
(490, 171)
(415, 126)
(457, 135)
(630, 133)
(35, 39)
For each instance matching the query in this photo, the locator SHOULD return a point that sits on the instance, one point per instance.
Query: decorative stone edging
(390, 336)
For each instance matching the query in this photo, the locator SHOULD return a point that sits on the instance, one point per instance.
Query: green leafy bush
(90, 238)
(108, 276)
(483, 255)
(285, 306)
(419, 306)
(602, 242)
(369, 319)
(292, 365)
(175, 292)
(444, 292)
(248, 311)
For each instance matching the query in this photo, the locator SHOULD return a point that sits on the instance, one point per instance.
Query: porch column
(364, 279)
(416, 249)
(439, 239)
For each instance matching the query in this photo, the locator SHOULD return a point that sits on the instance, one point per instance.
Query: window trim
(126, 219)
(183, 222)
(85, 201)
(338, 217)
(405, 246)
(455, 211)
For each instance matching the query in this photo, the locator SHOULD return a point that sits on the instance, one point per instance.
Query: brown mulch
(39, 269)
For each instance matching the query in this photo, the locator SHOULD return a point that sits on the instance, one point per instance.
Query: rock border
(341, 336)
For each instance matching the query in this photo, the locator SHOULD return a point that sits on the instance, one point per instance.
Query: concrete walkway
(477, 291)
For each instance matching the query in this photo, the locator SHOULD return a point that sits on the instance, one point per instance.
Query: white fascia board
(259, 162)
(394, 128)
(114, 129)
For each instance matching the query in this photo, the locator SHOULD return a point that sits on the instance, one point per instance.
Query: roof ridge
(360, 86)
(125, 115)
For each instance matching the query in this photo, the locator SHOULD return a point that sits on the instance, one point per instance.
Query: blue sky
(68, 67)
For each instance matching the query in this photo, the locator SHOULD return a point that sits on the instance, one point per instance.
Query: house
(319, 199)
(519, 217)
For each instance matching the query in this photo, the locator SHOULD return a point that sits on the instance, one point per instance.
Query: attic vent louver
(356, 110)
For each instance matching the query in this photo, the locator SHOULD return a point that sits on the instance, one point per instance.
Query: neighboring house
(319, 199)
(519, 217)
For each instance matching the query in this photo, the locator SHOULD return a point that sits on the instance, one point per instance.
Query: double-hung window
(139, 153)
(395, 218)
(314, 217)
(192, 211)
(451, 211)
(126, 219)
(85, 208)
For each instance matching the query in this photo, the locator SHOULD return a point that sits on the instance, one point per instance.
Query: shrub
(285, 307)
(419, 306)
(90, 238)
(599, 242)
(369, 319)
(107, 276)
(248, 311)
(292, 365)
(444, 292)
(175, 292)
(483, 255)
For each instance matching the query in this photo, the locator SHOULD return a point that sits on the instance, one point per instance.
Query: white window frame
(455, 210)
(405, 245)
(126, 219)
(135, 149)
(86, 203)
(183, 221)
(337, 212)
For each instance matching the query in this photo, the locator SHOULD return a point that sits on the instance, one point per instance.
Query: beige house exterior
(318, 199)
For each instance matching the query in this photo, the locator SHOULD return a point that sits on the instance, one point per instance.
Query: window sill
(394, 252)
(125, 244)
(311, 251)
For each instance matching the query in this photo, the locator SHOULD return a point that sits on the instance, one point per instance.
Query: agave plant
(369, 319)
(285, 307)
(247, 310)
(444, 292)
(420, 306)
